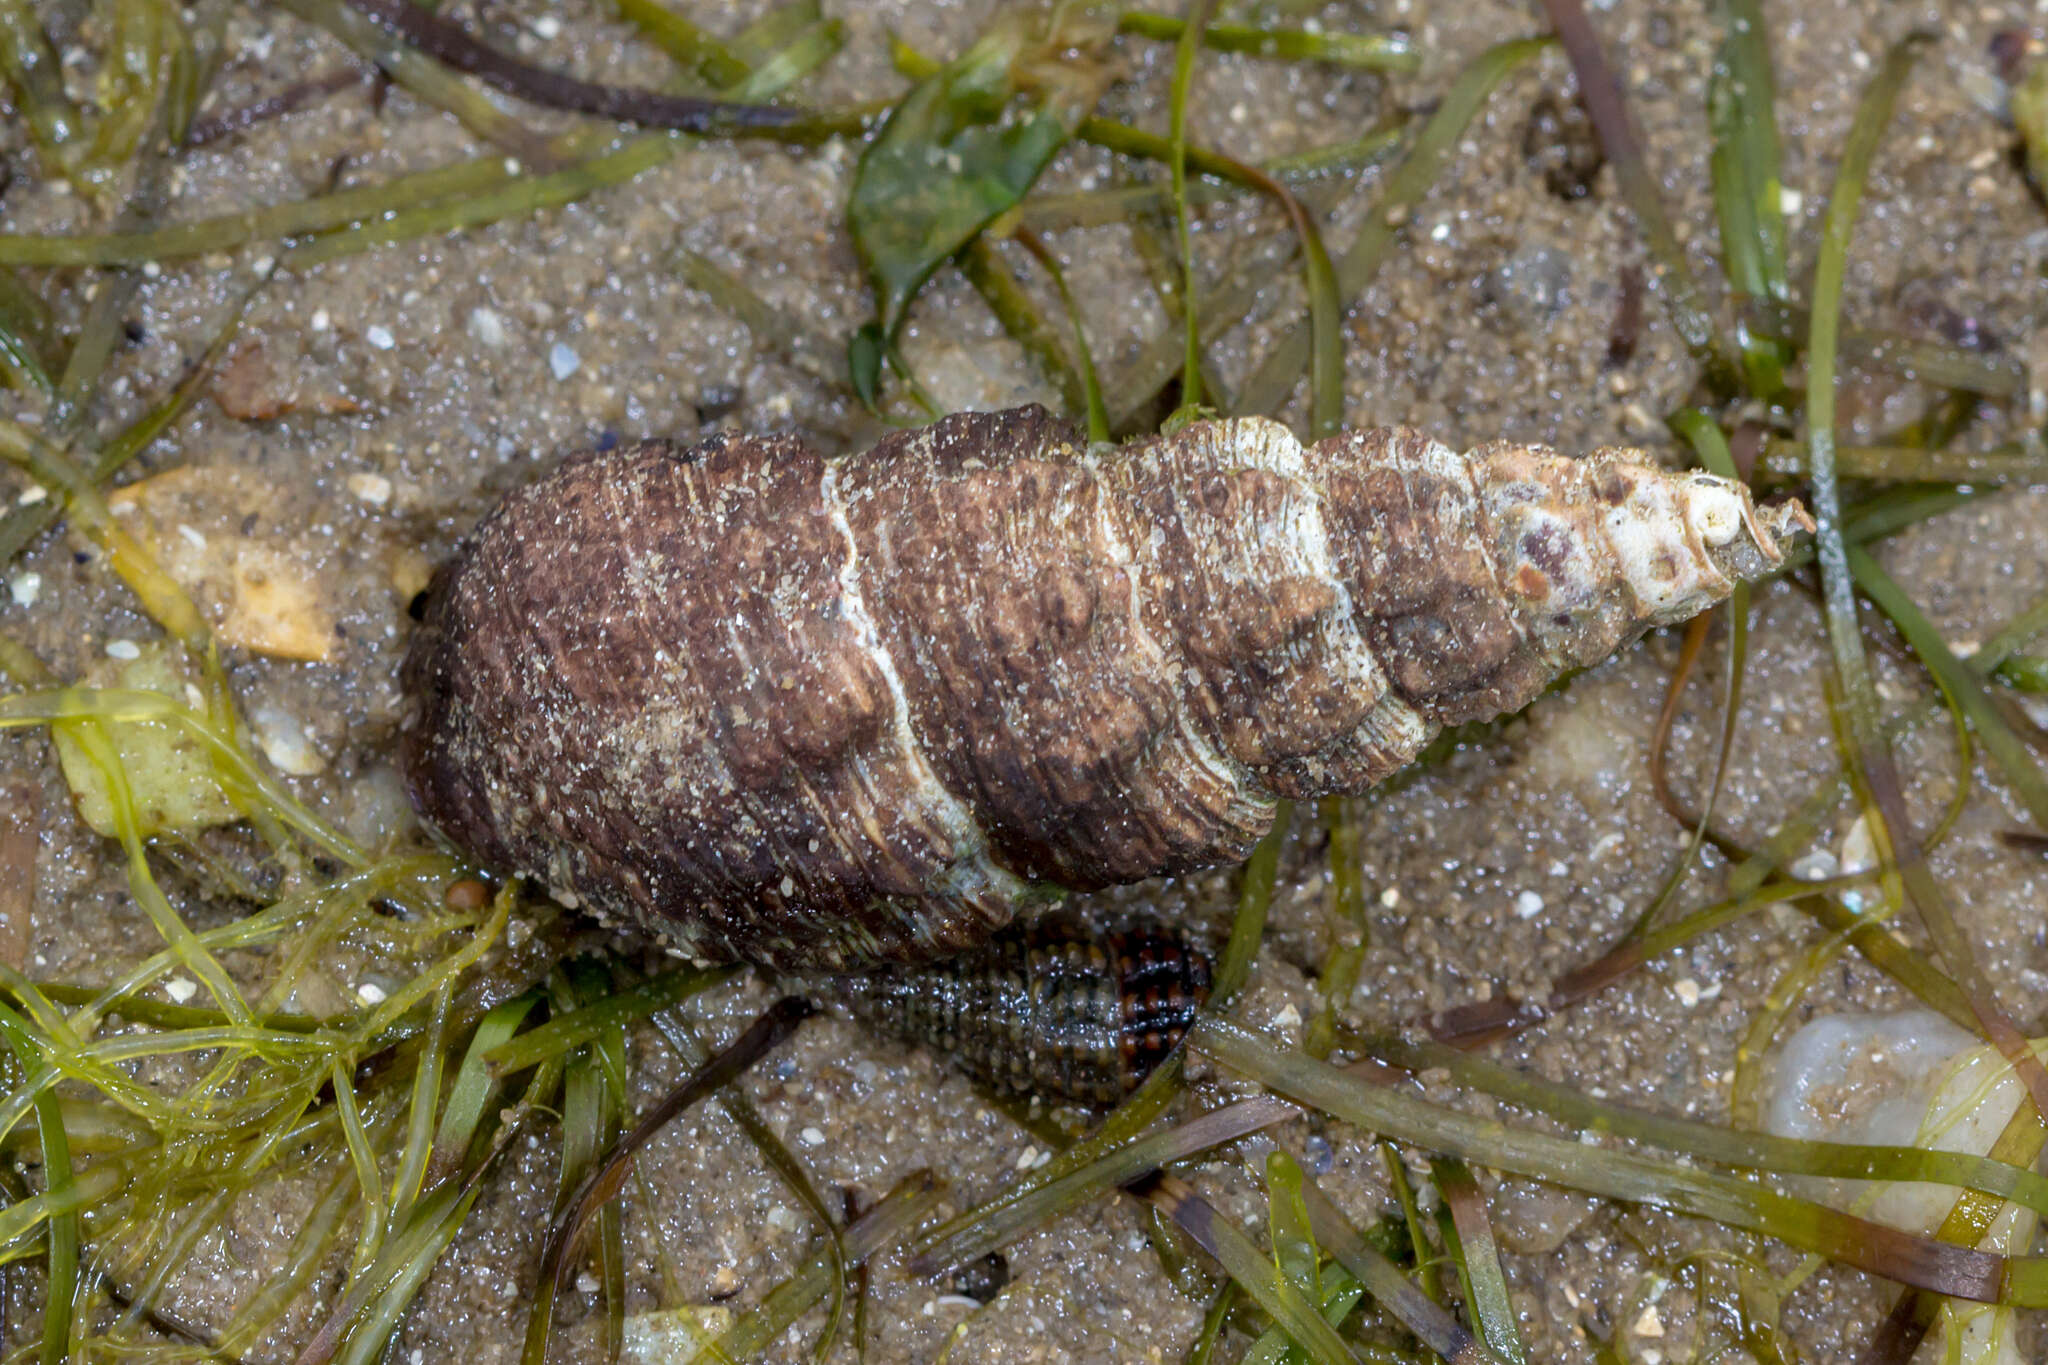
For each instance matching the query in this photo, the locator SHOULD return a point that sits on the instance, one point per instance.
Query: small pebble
(151, 270)
(1859, 848)
(374, 489)
(123, 649)
(1027, 1159)
(467, 894)
(547, 26)
(370, 993)
(586, 1283)
(1648, 1323)
(1639, 422)
(1316, 1154)
(282, 737)
(32, 495)
(1790, 201)
(813, 1137)
(1390, 898)
(1687, 990)
(380, 336)
(563, 361)
(1817, 866)
(25, 588)
(1528, 905)
(321, 321)
(181, 989)
(784, 1218)
(486, 327)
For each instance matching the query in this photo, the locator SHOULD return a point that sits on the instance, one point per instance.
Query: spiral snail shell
(829, 714)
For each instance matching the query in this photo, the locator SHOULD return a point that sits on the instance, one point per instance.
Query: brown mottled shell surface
(829, 714)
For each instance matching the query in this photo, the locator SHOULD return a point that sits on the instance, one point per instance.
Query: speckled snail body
(829, 714)
(1047, 1009)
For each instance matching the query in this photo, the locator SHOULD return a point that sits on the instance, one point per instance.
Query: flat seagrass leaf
(865, 351)
(951, 156)
(2030, 116)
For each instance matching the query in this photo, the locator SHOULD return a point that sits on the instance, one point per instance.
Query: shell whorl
(824, 715)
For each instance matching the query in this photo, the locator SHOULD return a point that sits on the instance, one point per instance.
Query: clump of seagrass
(827, 714)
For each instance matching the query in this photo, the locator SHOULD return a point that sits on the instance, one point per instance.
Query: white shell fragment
(1909, 1079)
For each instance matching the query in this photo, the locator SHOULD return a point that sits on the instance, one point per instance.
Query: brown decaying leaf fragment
(1627, 328)
(212, 127)
(249, 388)
(829, 714)
(452, 44)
